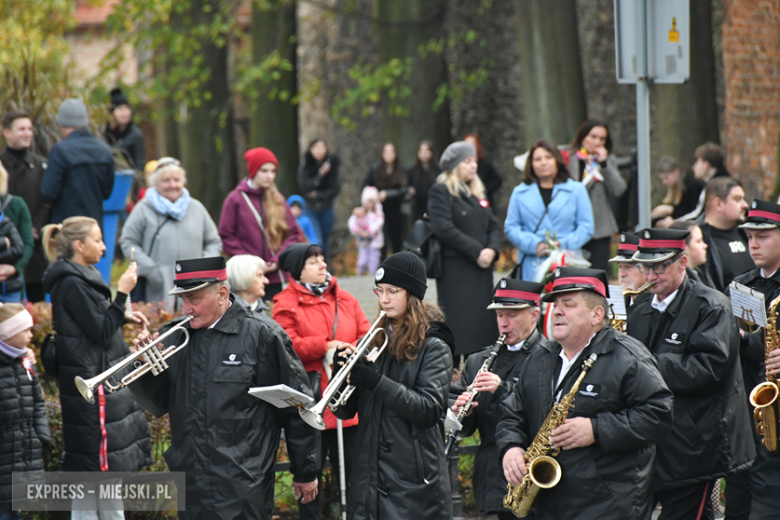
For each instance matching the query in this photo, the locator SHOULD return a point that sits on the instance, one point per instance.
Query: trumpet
(154, 361)
(331, 397)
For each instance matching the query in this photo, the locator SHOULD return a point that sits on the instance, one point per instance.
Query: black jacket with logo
(399, 470)
(489, 481)
(630, 408)
(223, 438)
(765, 473)
(696, 343)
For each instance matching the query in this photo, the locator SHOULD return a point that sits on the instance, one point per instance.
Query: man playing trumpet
(621, 409)
(224, 439)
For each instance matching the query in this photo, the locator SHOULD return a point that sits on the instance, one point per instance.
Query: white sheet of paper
(451, 423)
(281, 396)
(616, 300)
(748, 304)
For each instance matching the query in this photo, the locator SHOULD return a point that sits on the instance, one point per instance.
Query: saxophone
(464, 410)
(764, 397)
(544, 471)
(619, 322)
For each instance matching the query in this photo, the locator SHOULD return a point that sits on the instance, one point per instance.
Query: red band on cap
(764, 214)
(219, 274)
(661, 244)
(629, 247)
(521, 295)
(597, 284)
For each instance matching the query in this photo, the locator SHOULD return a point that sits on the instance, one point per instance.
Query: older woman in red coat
(318, 317)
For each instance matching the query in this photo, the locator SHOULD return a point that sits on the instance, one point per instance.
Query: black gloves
(365, 375)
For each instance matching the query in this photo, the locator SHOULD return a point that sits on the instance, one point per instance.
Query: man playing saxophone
(517, 310)
(759, 491)
(605, 448)
(631, 280)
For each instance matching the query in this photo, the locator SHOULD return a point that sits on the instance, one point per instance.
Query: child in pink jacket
(366, 224)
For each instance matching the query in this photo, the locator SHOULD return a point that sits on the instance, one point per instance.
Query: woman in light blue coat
(547, 200)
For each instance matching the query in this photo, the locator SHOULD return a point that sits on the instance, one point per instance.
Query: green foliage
(34, 75)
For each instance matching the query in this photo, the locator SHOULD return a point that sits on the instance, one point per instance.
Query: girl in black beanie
(399, 469)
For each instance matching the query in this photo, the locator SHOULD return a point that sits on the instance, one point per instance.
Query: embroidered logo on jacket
(232, 360)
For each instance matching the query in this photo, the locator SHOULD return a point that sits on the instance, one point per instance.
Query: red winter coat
(308, 320)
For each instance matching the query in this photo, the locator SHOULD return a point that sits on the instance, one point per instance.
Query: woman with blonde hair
(470, 242)
(256, 219)
(111, 433)
(165, 226)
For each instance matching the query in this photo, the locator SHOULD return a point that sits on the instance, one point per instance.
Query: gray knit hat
(455, 153)
(73, 113)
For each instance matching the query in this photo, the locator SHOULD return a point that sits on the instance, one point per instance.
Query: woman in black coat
(319, 181)
(89, 340)
(471, 239)
(421, 177)
(388, 177)
(399, 470)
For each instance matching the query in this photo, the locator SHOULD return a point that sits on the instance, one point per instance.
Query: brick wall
(751, 63)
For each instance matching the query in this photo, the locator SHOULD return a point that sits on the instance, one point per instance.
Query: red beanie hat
(256, 157)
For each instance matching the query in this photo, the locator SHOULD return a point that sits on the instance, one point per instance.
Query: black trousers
(330, 451)
(738, 496)
(599, 253)
(685, 503)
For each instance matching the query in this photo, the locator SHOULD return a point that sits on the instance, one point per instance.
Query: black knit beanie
(404, 270)
(294, 258)
(118, 98)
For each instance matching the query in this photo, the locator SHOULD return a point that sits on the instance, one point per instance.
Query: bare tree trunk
(274, 122)
(403, 26)
(207, 141)
(687, 115)
(553, 92)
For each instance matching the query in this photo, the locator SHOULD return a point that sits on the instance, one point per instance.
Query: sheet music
(616, 300)
(281, 396)
(748, 304)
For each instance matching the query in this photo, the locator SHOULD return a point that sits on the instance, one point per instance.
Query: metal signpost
(652, 43)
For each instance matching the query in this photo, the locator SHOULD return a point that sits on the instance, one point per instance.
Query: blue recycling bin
(113, 207)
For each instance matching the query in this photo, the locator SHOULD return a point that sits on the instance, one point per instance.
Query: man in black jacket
(691, 332)
(763, 230)
(25, 175)
(224, 439)
(628, 273)
(622, 408)
(517, 311)
(727, 247)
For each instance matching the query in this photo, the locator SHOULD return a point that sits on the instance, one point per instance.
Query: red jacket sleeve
(308, 348)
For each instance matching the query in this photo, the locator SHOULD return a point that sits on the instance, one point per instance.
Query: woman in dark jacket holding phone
(399, 470)
(319, 181)
(89, 340)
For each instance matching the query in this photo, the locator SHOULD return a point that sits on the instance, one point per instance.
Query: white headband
(15, 324)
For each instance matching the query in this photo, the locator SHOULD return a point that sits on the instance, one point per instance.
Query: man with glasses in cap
(223, 438)
(517, 311)
(763, 231)
(629, 276)
(690, 330)
(622, 408)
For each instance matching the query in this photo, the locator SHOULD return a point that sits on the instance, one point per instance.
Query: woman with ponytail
(256, 219)
(24, 426)
(110, 434)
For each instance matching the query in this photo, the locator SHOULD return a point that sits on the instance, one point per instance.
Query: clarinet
(464, 410)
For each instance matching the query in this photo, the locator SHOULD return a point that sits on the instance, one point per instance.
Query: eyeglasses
(391, 292)
(656, 268)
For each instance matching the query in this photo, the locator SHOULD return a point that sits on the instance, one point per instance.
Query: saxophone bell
(543, 473)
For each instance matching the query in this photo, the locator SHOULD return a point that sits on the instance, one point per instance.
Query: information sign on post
(652, 43)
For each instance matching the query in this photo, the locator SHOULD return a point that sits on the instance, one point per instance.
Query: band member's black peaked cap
(195, 274)
(569, 279)
(516, 294)
(657, 245)
(629, 244)
(762, 215)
